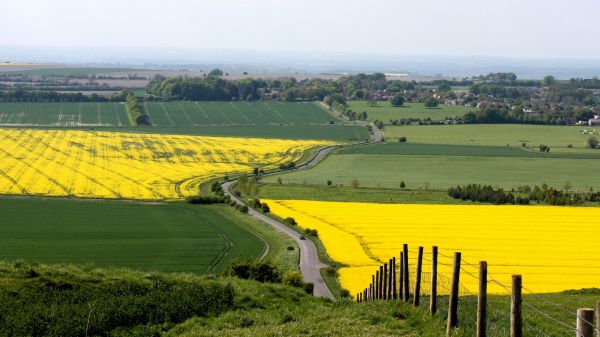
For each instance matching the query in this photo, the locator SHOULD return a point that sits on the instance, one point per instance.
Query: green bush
(70, 301)
(258, 271)
(206, 200)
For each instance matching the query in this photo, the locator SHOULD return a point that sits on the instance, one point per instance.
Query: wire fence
(539, 314)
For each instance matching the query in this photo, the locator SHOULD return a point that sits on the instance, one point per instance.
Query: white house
(594, 121)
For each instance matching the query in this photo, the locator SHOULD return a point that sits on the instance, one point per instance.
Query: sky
(496, 28)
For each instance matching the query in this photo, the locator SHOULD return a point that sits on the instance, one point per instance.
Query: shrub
(265, 208)
(402, 184)
(287, 166)
(329, 182)
(290, 248)
(244, 209)
(290, 221)
(311, 232)
(258, 271)
(292, 278)
(308, 287)
(592, 142)
(402, 139)
(206, 200)
(344, 293)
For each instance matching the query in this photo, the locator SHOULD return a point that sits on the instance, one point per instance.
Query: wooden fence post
(598, 318)
(385, 281)
(516, 319)
(585, 317)
(482, 300)
(433, 290)
(371, 299)
(401, 277)
(406, 275)
(453, 300)
(377, 284)
(390, 294)
(372, 288)
(365, 295)
(418, 278)
(380, 291)
(394, 286)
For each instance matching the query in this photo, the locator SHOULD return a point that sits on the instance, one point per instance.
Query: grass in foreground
(164, 237)
(66, 301)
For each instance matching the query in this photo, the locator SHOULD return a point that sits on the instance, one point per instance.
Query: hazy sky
(507, 28)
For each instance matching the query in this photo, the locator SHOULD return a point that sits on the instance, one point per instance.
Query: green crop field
(162, 237)
(385, 112)
(439, 167)
(184, 114)
(63, 114)
(557, 137)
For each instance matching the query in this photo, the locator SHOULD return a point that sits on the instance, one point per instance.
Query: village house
(594, 121)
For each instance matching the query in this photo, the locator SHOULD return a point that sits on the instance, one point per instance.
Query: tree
(215, 73)
(567, 186)
(548, 80)
(444, 87)
(402, 184)
(329, 183)
(430, 103)
(398, 100)
(592, 142)
(402, 139)
(354, 183)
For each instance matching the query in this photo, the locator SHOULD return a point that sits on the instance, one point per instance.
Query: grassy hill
(42, 300)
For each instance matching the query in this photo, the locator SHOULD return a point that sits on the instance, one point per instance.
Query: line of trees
(526, 194)
(136, 111)
(53, 96)
(485, 193)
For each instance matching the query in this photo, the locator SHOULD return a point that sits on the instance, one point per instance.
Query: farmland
(129, 165)
(363, 235)
(557, 137)
(442, 171)
(385, 112)
(164, 237)
(438, 157)
(183, 114)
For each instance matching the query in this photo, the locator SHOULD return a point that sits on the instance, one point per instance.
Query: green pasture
(385, 112)
(349, 194)
(161, 237)
(557, 137)
(67, 114)
(438, 167)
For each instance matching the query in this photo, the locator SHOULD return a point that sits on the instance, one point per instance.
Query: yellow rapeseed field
(554, 248)
(128, 165)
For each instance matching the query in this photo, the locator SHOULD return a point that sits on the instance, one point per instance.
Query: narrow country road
(310, 265)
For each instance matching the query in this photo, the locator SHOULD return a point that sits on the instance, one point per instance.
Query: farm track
(310, 265)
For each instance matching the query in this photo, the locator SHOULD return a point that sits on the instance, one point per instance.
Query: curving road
(310, 265)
